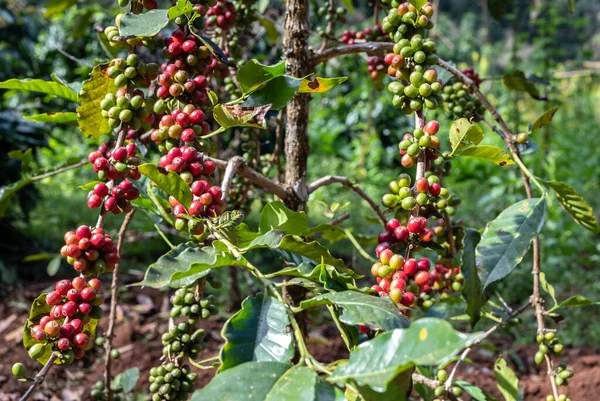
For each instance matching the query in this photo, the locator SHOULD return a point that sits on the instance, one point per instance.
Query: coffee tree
(157, 103)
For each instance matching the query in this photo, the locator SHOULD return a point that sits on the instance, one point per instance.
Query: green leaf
(574, 204)
(320, 85)
(251, 381)
(358, 308)
(474, 391)
(517, 81)
(171, 183)
(491, 153)
(53, 266)
(546, 286)
(254, 74)
(270, 30)
(257, 332)
(572, 6)
(212, 46)
(89, 113)
(277, 92)
(230, 218)
(147, 24)
(54, 7)
(126, 380)
(263, 5)
(90, 185)
(472, 286)
(426, 341)
(276, 216)
(544, 119)
(463, 133)
(67, 117)
(498, 7)
(574, 301)
(348, 6)
(301, 383)
(182, 7)
(506, 239)
(229, 116)
(398, 389)
(186, 263)
(508, 382)
(418, 3)
(325, 275)
(41, 86)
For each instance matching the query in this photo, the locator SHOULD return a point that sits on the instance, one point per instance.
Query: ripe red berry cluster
(415, 229)
(73, 304)
(188, 162)
(411, 144)
(473, 76)
(222, 15)
(185, 125)
(401, 279)
(207, 201)
(366, 35)
(90, 251)
(376, 67)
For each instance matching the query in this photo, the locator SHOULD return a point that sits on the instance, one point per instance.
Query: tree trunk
(298, 64)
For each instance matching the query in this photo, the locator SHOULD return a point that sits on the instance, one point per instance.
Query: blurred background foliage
(354, 131)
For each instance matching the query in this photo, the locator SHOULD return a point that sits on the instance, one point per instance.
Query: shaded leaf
(463, 133)
(68, 117)
(263, 5)
(212, 46)
(358, 308)
(41, 86)
(89, 113)
(230, 218)
(397, 390)
(508, 382)
(498, 7)
(544, 119)
(491, 153)
(474, 391)
(257, 332)
(253, 74)
(426, 341)
(148, 24)
(574, 301)
(240, 116)
(517, 81)
(270, 30)
(506, 239)
(325, 275)
(54, 7)
(574, 204)
(126, 380)
(53, 266)
(277, 92)
(572, 6)
(320, 85)
(171, 183)
(546, 286)
(471, 290)
(301, 383)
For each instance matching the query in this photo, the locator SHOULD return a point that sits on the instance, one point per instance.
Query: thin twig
(73, 58)
(58, 171)
(39, 378)
(255, 178)
(114, 289)
(339, 219)
(345, 181)
(370, 48)
(232, 166)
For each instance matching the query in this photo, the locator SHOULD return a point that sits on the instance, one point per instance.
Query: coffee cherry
(82, 341)
(52, 329)
(18, 370)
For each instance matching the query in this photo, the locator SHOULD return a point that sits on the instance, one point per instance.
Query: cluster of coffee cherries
(73, 304)
(366, 35)
(416, 88)
(331, 16)
(561, 379)
(114, 37)
(460, 102)
(90, 251)
(222, 15)
(411, 144)
(404, 20)
(98, 391)
(548, 342)
(179, 342)
(440, 391)
(133, 109)
(415, 229)
(428, 192)
(132, 71)
(185, 125)
(184, 77)
(376, 68)
(172, 383)
(401, 279)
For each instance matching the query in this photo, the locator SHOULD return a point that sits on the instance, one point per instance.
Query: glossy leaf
(147, 24)
(320, 85)
(325, 275)
(491, 153)
(126, 380)
(574, 301)
(89, 113)
(506, 239)
(574, 204)
(230, 218)
(271, 30)
(348, 6)
(263, 5)
(276, 216)
(471, 290)
(171, 183)
(301, 383)
(426, 341)
(257, 332)
(418, 3)
(229, 116)
(508, 382)
(90, 185)
(474, 391)
(253, 74)
(463, 133)
(517, 81)
(544, 119)
(186, 263)
(251, 381)
(398, 389)
(183, 7)
(277, 92)
(358, 308)
(546, 286)
(67, 117)
(41, 86)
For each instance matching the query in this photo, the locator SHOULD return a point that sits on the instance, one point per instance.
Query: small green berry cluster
(170, 382)
(440, 391)
(132, 71)
(460, 102)
(332, 16)
(411, 144)
(186, 304)
(426, 191)
(123, 108)
(178, 342)
(548, 342)
(98, 392)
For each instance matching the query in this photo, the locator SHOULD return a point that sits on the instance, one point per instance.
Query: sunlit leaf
(171, 183)
(544, 119)
(67, 117)
(89, 113)
(491, 153)
(41, 86)
(508, 382)
(148, 24)
(320, 85)
(574, 204)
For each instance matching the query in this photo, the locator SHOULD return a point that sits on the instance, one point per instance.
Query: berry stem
(39, 378)
(114, 299)
(421, 161)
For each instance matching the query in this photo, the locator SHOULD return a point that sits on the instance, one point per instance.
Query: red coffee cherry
(77, 325)
(63, 286)
(44, 320)
(423, 264)
(82, 341)
(64, 344)
(421, 278)
(392, 224)
(432, 127)
(410, 266)
(401, 233)
(78, 283)
(52, 328)
(53, 298)
(95, 284)
(88, 294)
(408, 298)
(422, 185)
(37, 332)
(69, 309)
